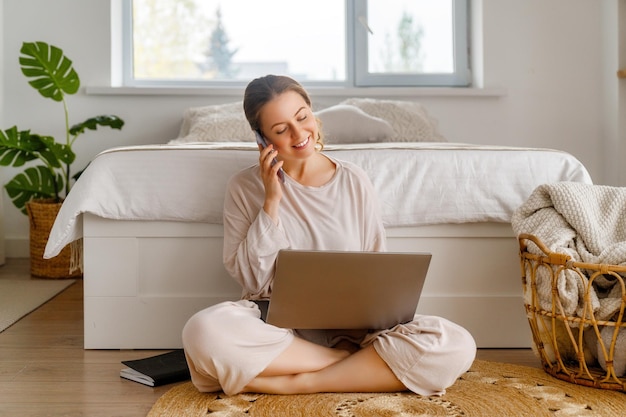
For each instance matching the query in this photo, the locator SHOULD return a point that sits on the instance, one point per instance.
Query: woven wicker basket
(571, 348)
(42, 214)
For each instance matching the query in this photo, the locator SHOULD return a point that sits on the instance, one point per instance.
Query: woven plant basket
(579, 349)
(42, 214)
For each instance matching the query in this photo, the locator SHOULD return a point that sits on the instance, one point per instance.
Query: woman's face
(289, 124)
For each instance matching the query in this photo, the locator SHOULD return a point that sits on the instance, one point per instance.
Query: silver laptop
(346, 290)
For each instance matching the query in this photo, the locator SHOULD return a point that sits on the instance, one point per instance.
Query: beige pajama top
(340, 215)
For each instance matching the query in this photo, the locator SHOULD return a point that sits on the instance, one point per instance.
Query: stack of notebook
(157, 370)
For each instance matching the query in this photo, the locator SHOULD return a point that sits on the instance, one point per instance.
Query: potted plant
(39, 190)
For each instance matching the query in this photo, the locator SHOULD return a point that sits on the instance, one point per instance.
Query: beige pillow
(216, 123)
(409, 120)
(349, 124)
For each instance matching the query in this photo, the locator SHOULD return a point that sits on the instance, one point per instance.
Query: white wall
(548, 57)
(2, 241)
(616, 158)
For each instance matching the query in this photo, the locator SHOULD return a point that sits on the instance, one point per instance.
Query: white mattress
(417, 183)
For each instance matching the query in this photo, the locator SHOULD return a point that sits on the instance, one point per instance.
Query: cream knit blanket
(587, 222)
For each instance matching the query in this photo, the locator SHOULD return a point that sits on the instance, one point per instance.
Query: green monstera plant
(52, 74)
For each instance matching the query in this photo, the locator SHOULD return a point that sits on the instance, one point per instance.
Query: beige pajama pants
(227, 345)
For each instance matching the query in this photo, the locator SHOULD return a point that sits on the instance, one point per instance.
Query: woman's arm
(252, 238)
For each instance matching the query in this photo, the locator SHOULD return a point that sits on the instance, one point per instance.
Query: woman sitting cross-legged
(320, 203)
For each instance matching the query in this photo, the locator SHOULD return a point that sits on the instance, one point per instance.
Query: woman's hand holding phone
(262, 142)
(272, 175)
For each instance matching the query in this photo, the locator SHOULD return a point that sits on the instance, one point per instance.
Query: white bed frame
(144, 279)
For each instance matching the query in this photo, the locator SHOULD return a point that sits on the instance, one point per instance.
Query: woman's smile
(302, 144)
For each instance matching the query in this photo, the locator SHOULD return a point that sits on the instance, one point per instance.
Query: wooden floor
(44, 370)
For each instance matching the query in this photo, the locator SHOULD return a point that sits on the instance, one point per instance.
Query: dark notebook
(157, 370)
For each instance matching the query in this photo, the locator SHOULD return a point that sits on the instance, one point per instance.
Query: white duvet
(417, 183)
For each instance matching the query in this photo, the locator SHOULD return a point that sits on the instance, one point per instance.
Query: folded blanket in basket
(587, 222)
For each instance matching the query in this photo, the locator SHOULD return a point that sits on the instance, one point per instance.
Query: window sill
(314, 91)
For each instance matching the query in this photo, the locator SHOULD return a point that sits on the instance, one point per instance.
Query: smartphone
(263, 142)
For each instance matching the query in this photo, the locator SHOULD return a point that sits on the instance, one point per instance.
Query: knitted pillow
(216, 123)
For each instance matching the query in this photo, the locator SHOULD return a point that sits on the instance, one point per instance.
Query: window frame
(356, 57)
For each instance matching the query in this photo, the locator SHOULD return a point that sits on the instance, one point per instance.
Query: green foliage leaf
(92, 123)
(51, 71)
(52, 74)
(34, 182)
(55, 153)
(20, 146)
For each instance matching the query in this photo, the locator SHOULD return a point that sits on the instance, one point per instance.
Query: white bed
(150, 218)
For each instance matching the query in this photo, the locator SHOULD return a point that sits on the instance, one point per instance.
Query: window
(326, 42)
(411, 42)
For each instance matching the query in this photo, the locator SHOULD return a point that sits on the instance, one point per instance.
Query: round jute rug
(487, 389)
